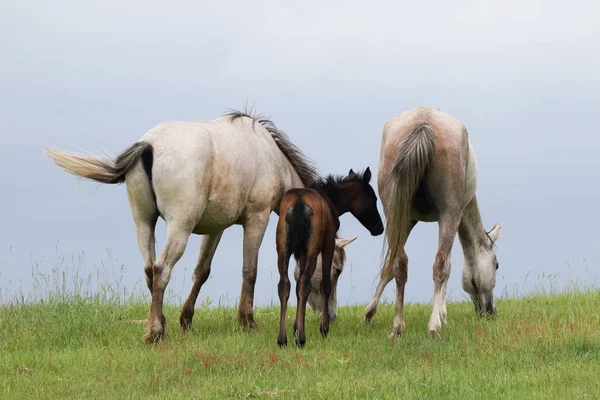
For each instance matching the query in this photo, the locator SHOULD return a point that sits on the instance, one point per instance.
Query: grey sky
(522, 77)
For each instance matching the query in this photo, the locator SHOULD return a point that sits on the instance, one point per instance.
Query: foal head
(363, 204)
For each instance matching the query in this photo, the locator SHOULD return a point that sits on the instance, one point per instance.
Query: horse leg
(307, 269)
(327, 259)
(254, 231)
(146, 243)
(201, 273)
(387, 273)
(448, 226)
(284, 286)
(401, 275)
(177, 237)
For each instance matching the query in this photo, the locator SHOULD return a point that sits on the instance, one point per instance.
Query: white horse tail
(412, 160)
(102, 169)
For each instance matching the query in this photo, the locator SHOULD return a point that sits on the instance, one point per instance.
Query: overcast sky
(522, 76)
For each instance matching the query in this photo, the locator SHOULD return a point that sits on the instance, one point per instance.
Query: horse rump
(298, 218)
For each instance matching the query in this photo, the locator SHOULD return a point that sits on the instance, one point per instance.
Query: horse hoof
(324, 331)
(154, 337)
(300, 343)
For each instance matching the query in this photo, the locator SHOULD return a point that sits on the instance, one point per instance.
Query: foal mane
(303, 166)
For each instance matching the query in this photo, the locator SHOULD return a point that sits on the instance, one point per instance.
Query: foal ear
(351, 174)
(496, 232)
(344, 242)
(367, 175)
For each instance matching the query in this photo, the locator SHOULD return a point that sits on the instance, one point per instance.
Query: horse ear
(344, 242)
(367, 175)
(351, 174)
(496, 232)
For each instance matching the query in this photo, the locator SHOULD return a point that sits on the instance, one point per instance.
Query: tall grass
(79, 335)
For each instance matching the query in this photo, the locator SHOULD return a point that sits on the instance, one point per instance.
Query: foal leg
(283, 288)
(307, 269)
(254, 231)
(201, 273)
(177, 237)
(448, 226)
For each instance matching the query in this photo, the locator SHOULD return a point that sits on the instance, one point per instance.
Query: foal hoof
(300, 342)
(282, 342)
(324, 331)
(185, 323)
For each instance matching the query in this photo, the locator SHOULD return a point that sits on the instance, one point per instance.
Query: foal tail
(102, 169)
(299, 227)
(412, 160)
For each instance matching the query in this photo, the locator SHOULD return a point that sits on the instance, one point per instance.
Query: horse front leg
(327, 259)
(254, 231)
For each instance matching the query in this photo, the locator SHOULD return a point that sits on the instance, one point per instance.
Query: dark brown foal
(308, 225)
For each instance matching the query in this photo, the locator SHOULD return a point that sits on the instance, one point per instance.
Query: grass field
(539, 347)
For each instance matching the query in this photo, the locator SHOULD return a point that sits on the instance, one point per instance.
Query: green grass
(538, 347)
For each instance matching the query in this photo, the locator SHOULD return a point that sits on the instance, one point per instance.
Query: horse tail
(103, 169)
(413, 158)
(298, 218)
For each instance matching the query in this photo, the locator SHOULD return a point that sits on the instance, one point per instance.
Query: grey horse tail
(413, 158)
(103, 169)
(299, 227)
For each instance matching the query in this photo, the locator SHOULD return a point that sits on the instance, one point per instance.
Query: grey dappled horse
(428, 172)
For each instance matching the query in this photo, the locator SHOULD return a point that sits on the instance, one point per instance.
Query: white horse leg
(254, 231)
(401, 275)
(177, 237)
(387, 274)
(448, 226)
(201, 273)
(386, 277)
(146, 243)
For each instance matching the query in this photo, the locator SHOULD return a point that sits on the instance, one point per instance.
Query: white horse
(201, 177)
(428, 172)
(337, 267)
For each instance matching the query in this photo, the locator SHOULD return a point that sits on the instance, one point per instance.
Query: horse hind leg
(145, 214)
(177, 237)
(326, 286)
(201, 273)
(388, 272)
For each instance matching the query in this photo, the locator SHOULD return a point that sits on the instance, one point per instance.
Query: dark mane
(304, 167)
(332, 181)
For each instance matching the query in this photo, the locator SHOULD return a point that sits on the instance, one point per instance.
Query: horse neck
(471, 232)
(339, 197)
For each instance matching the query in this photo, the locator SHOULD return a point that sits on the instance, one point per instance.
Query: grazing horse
(428, 172)
(201, 177)
(307, 226)
(337, 267)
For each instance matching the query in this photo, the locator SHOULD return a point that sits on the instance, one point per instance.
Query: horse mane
(332, 181)
(303, 166)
